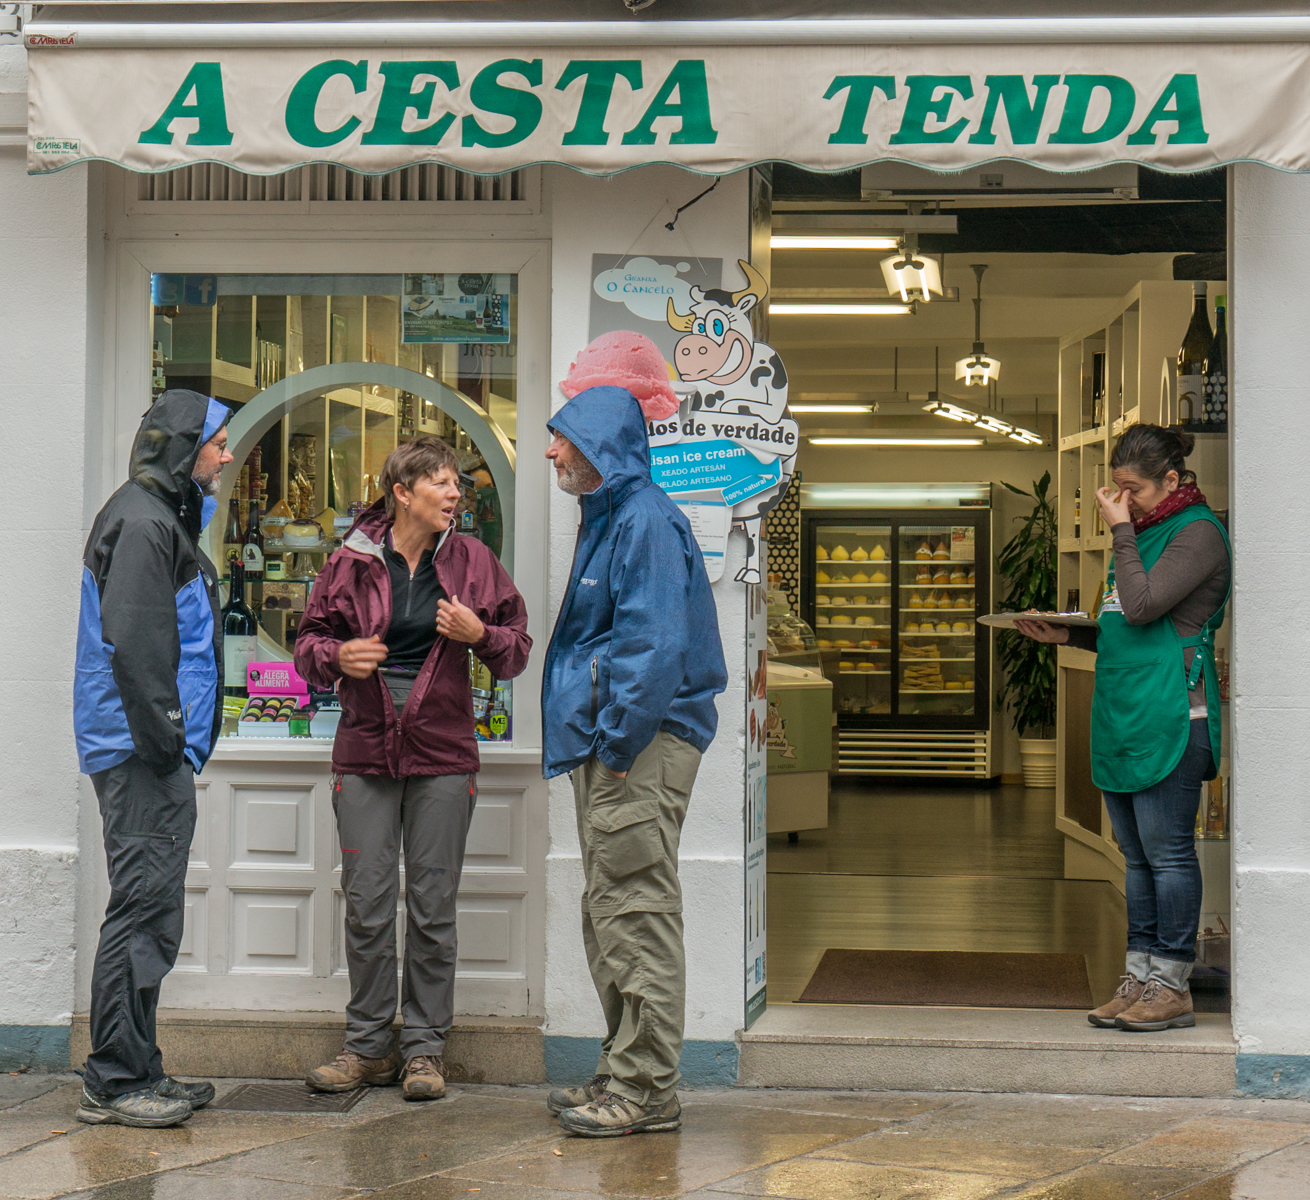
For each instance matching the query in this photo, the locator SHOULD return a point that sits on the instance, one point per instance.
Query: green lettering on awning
(924, 102)
(859, 95)
(1179, 102)
(205, 79)
(302, 124)
(488, 94)
(1081, 88)
(589, 128)
(1023, 117)
(692, 108)
(399, 98)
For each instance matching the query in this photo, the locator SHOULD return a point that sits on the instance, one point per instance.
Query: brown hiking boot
(611, 1115)
(424, 1078)
(350, 1070)
(1158, 1007)
(575, 1097)
(1129, 990)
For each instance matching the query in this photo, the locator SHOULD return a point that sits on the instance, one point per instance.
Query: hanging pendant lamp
(913, 275)
(979, 367)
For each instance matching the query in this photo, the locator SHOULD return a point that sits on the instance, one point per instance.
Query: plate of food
(1007, 620)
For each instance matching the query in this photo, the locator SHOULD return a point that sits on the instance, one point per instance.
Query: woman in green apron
(1155, 712)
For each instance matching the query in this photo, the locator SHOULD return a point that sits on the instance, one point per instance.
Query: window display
(382, 373)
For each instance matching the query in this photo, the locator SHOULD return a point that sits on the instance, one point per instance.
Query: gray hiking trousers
(429, 815)
(148, 823)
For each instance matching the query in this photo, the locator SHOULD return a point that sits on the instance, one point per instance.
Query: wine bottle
(252, 552)
(232, 532)
(1214, 412)
(1191, 360)
(1078, 513)
(240, 634)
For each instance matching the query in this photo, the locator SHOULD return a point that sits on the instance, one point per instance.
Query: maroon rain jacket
(352, 599)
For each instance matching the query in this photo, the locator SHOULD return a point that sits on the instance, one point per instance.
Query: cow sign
(732, 434)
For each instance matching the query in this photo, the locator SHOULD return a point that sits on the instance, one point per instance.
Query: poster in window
(464, 306)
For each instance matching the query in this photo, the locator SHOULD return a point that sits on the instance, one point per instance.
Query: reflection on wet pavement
(499, 1143)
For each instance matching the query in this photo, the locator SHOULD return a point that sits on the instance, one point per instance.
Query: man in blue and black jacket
(628, 708)
(147, 708)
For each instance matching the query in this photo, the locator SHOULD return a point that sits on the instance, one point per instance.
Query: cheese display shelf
(893, 597)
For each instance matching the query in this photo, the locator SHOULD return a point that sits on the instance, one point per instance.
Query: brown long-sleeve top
(1189, 581)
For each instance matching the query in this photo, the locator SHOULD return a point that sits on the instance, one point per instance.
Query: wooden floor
(935, 869)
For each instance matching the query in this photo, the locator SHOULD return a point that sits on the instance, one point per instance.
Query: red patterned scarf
(1184, 497)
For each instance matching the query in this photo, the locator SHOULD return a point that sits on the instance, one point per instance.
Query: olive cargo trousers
(629, 831)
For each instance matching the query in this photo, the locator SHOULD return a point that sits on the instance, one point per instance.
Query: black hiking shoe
(195, 1094)
(143, 1109)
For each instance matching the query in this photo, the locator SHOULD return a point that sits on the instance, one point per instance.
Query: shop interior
(904, 813)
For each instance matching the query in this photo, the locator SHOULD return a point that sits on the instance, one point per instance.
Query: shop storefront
(358, 231)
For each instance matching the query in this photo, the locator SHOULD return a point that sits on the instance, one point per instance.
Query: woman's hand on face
(459, 623)
(1040, 631)
(1114, 506)
(360, 657)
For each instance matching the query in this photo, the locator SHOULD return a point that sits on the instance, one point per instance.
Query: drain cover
(287, 1098)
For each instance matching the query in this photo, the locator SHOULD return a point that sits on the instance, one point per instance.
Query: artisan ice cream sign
(824, 107)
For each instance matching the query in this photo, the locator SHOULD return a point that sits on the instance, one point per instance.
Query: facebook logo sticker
(200, 291)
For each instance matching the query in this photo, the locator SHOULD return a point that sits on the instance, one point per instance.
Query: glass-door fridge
(893, 597)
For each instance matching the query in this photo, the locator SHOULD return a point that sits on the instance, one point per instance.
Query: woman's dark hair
(1152, 451)
(414, 460)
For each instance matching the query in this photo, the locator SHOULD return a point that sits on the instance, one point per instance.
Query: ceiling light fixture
(913, 275)
(830, 241)
(978, 368)
(831, 408)
(983, 421)
(876, 441)
(790, 309)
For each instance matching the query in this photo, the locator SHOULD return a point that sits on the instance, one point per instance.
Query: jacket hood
(607, 425)
(168, 442)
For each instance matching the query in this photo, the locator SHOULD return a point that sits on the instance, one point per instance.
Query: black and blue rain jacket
(636, 646)
(149, 642)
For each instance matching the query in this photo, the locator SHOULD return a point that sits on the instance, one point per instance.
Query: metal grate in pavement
(287, 1098)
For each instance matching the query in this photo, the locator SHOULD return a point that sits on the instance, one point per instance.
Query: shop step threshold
(982, 1050)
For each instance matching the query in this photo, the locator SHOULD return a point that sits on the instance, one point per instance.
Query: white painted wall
(1269, 257)
(597, 216)
(43, 329)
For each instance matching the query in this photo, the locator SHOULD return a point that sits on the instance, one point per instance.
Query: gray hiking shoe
(610, 1115)
(195, 1094)
(144, 1109)
(575, 1097)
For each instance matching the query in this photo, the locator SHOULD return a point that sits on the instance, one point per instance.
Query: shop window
(326, 374)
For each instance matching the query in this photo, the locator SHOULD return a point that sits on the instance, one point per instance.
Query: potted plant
(1028, 564)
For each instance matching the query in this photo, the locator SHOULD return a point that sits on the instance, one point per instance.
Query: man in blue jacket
(628, 705)
(147, 707)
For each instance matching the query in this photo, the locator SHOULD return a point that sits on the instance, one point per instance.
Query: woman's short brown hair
(411, 461)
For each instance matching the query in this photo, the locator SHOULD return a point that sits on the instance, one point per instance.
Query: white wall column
(1269, 248)
(595, 216)
(43, 354)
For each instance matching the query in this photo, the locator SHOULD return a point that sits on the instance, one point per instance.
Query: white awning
(709, 96)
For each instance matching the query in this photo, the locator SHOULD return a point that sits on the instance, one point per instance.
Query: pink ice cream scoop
(626, 360)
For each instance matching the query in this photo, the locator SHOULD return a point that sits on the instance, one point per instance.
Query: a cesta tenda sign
(823, 107)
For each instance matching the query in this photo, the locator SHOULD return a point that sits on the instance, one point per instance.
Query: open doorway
(930, 840)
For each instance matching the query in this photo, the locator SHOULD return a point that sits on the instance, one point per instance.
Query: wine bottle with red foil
(240, 634)
(1191, 361)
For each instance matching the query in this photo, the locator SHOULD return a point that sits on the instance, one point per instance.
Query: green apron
(1140, 722)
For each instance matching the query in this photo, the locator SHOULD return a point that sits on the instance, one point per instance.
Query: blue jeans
(1156, 833)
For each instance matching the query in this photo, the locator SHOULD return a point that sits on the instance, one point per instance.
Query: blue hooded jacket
(636, 646)
(149, 644)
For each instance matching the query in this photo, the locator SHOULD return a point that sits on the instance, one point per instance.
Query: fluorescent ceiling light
(831, 408)
(952, 412)
(808, 309)
(1026, 436)
(987, 421)
(830, 241)
(993, 424)
(877, 441)
(978, 369)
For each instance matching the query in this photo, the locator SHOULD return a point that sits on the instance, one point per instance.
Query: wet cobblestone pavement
(499, 1143)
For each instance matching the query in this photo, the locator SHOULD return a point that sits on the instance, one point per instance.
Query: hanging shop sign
(727, 455)
(716, 109)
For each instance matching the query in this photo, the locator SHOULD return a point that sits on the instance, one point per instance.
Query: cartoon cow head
(719, 341)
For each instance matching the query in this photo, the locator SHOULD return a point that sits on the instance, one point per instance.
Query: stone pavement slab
(499, 1143)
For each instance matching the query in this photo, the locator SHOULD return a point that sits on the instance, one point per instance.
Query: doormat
(949, 978)
(287, 1098)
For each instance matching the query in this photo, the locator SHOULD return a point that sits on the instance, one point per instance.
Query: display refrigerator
(893, 596)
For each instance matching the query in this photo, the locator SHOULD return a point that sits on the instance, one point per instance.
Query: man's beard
(210, 486)
(579, 479)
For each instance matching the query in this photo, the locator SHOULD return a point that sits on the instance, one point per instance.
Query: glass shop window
(326, 374)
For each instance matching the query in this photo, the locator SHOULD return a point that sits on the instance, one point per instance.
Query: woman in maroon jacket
(391, 621)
